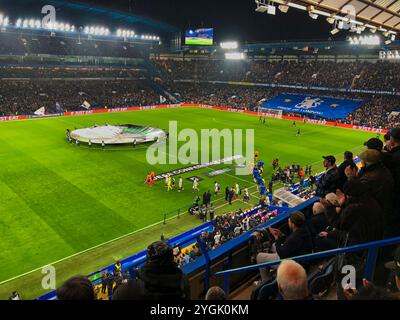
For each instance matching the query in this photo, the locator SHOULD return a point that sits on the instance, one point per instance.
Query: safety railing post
(227, 266)
(371, 263)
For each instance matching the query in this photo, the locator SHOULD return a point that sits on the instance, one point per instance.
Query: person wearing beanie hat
(159, 279)
(374, 144)
(378, 180)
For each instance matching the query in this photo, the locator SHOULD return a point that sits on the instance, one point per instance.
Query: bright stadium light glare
(365, 41)
(263, 7)
(18, 23)
(4, 21)
(235, 56)
(229, 45)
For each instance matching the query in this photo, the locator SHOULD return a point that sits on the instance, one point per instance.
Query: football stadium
(148, 154)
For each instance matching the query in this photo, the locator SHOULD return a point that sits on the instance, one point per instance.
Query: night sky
(232, 20)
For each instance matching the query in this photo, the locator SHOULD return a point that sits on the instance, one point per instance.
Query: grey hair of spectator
(292, 280)
(318, 208)
(215, 294)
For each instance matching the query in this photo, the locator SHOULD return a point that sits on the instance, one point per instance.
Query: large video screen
(200, 37)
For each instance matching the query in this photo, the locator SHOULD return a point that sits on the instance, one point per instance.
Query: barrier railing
(372, 248)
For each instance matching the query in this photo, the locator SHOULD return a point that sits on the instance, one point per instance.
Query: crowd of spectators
(25, 90)
(376, 112)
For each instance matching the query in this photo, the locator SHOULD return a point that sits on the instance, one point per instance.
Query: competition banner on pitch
(330, 108)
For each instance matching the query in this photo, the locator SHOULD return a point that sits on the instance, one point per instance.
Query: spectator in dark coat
(379, 181)
(226, 193)
(395, 159)
(299, 242)
(348, 162)
(377, 144)
(362, 217)
(330, 180)
(160, 278)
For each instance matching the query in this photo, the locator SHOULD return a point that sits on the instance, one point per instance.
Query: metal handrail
(370, 266)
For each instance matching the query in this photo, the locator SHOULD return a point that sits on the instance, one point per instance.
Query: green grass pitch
(199, 41)
(58, 199)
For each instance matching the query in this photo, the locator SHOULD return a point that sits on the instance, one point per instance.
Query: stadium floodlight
(263, 7)
(235, 56)
(331, 20)
(18, 24)
(96, 30)
(230, 45)
(125, 33)
(283, 8)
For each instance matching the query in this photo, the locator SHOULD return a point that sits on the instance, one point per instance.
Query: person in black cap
(159, 279)
(375, 144)
(362, 217)
(394, 266)
(330, 180)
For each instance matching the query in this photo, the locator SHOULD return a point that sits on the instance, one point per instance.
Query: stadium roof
(377, 13)
(83, 13)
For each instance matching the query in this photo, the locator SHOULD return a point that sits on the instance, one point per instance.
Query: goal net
(265, 112)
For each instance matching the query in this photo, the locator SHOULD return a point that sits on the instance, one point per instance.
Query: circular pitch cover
(118, 134)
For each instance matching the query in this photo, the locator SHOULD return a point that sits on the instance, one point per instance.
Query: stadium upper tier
(356, 75)
(21, 44)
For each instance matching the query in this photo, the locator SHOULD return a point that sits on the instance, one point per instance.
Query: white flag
(86, 105)
(40, 112)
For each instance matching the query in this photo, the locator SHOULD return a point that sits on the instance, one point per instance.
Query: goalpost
(265, 112)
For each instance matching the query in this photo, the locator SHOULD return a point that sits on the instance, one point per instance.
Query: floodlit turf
(57, 199)
(199, 41)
